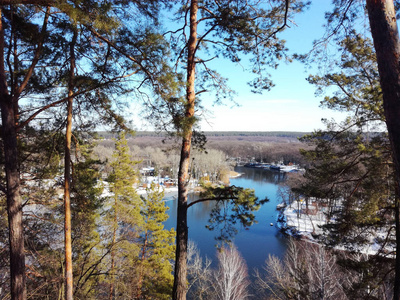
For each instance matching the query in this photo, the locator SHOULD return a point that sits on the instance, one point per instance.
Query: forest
(73, 224)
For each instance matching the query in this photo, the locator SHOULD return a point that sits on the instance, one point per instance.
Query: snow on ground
(307, 222)
(168, 191)
(233, 174)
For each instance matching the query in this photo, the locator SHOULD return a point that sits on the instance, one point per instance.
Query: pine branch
(35, 58)
(211, 199)
(29, 119)
(121, 51)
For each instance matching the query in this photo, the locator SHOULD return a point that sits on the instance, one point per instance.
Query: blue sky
(291, 105)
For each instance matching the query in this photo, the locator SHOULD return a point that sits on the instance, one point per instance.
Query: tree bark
(69, 283)
(382, 18)
(143, 256)
(114, 240)
(180, 284)
(14, 200)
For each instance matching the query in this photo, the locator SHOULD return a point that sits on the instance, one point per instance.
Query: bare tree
(231, 277)
(308, 271)
(275, 282)
(199, 274)
(323, 271)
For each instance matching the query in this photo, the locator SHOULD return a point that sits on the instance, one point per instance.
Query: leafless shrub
(308, 271)
(199, 274)
(228, 282)
(231, 277)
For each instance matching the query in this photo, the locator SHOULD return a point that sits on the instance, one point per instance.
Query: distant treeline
(287, 134)
(291, 134)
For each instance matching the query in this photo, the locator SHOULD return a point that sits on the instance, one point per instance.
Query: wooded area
(69, 68)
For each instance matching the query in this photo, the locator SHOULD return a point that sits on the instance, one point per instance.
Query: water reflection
(256, 243)
(256, 174)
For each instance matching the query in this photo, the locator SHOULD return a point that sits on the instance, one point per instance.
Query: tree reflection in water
(255, 243)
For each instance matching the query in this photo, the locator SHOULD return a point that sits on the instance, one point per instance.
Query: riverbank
(168, 191)
(234, 174)
(307, 222)
(172, 191)
(267, 239)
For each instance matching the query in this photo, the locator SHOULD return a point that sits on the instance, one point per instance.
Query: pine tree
(67, 173)
(45, 44)
(228, 29)
(12, 189)
(350, 167)
(157, 244)
(44, 220)
(86, 204)
(385, 33)
(125, 219)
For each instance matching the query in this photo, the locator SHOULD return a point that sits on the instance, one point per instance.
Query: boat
(281, 206)
(275, 167)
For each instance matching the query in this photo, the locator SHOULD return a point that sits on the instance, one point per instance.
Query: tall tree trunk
(143, 256)
(14, 79)
(14, 200)
(69, 283)
(396, 286)
(180, 284)
(114, 240)
(382, 19)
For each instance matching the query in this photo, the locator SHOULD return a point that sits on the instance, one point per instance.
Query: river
(256, 243)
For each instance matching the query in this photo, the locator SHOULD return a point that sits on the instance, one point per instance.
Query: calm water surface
(255, 243)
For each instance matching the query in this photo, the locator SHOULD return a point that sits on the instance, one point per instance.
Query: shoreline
(306, 223)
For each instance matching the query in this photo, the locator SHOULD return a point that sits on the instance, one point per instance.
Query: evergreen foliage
(37, 58)
(157, 248)
(210, 29)
(86, 201)
(140, 249)
(44, 230)
(232, 205)
(123, 219)
(101, 55)
(350, 168)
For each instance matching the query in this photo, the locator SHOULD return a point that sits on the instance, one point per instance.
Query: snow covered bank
(302, 220)
(233, 174)
(306, 221)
